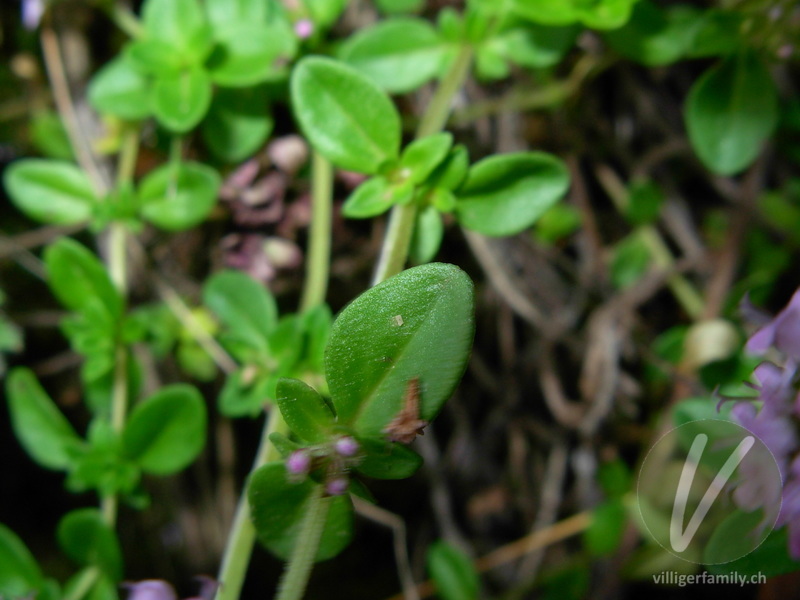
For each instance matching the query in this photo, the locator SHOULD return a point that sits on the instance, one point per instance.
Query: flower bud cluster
(332, 460)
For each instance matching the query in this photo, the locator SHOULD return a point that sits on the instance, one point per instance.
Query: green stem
(394, 252)
(319, 250)
(118, 271)
(124, 19)
(84, 584)
(243, 534)
(295, 578)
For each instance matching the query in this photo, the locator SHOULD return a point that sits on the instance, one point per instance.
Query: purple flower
(783, 332)
(32, 11)
(151, 589)
(298, 462)
(337, 487)
(346, 446)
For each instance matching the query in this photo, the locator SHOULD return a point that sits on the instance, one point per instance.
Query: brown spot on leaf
(407, 425)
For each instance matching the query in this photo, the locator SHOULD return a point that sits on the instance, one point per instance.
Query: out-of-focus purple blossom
(32, 11)
(158, 589)
(337, 486)
(298, 462)
(246, 253)
(783, 332)
(150, 589)
(346, 446)
(304, 28)
(775, 424)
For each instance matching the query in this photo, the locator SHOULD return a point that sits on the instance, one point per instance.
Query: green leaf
(223, 13)
(153, 58)
(19, 572)
(427, 236)
(244, 306)
(49, 136)
(89, 541)
(655, 37)
(557, 222)
(121, 90)
(244, 396)
(416, 325)
(770, 559)
(278, 507)
(629, 262)
(393, 7)
(452, 572)
(39, 425)
(238, 123)
(304, 411)
(283, 444)
(50, 191)
(398, 54)
(735, 537)
(450, 174)
(166, 432)
(506, 194)
(325, 13)
(251, 53)
(644, 203)
(386, 460)
(421, 157)
(604, 533)
(181, 101)
(597, 14)
(180, 23)
(78, 279)
(179, 196)
(718, 33)
(370, 199)
(344, 115)
(534, 46)
(730, 111)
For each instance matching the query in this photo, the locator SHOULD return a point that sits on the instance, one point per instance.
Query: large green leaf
(166, 432)
(387, 460)
(88, 540)
(770, 559)
(121, 90)
(398, 54)
(238, 123)
(181, 101)
(19, 572)
(730, 111)
(418, 325)
(223, 13)
(78, 279)
(304, 410)
(39, 425)
(244, 306)
(177, 197)
(50, 191)
(507, 193)
(278, 507)
(345, 116)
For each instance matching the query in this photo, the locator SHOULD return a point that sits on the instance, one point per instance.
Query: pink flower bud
(336, 487)
(298, 462)
(346, 446)
(304, 28)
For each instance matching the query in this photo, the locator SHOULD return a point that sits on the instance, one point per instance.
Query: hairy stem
(396, 244)
(243, 534)
(319, 250)
(295, 578)
(118, 271)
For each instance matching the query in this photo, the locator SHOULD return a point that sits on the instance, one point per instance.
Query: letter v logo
(680, 539)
